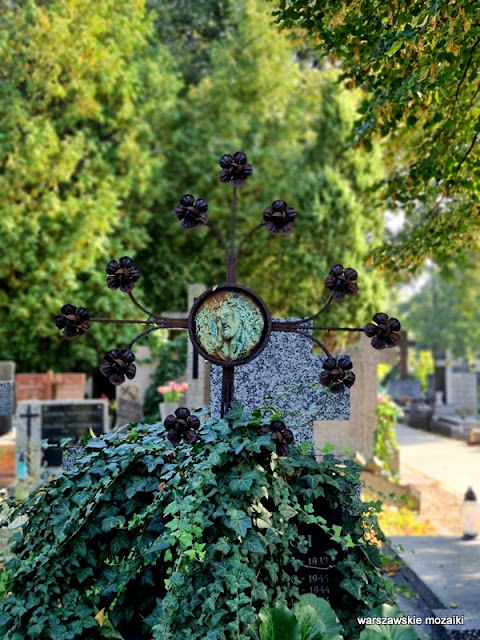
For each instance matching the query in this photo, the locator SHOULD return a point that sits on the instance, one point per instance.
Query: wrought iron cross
(229, 324)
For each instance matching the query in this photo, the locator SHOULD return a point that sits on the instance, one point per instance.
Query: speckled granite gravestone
(287, 362)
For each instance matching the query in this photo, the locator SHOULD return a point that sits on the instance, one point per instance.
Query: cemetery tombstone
(357, 433)
(286, 372)
(464, 394)
(129, 405)
(54, 421)
(145, 370)
(68, 386)
(404, 389)
(7, 409)
(34, 386)
(252, 355)
(51, 386)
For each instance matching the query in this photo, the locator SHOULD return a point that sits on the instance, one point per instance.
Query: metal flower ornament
(229, 324)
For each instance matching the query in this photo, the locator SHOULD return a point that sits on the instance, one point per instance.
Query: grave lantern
(469, 515)
(229, 324)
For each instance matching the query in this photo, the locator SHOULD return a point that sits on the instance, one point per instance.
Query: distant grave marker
(51, 386)
(129, 405)
(55, 420)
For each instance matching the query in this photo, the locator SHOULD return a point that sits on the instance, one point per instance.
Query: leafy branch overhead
(419, 64)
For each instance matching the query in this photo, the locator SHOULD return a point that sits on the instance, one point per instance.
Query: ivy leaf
(253, 543)
(353, 586)
(240, 485)
(235, 412)
(96, 443)
(160, 545)
(221, 545)
(287, 511)
(337, 533)
(135, 485)
(239, 521)
(111, 522)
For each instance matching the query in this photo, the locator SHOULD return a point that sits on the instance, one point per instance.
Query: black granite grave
(60, 421)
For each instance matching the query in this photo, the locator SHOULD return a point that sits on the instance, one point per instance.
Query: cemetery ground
(441, 469)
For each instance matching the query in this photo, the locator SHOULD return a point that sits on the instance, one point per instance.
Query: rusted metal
(229, 324)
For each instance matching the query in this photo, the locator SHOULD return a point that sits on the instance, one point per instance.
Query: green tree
(444, 313)
(293, 122)
(188, 28)
(85, 92)
(418, 62)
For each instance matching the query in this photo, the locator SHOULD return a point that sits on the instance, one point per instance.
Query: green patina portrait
(229, 326)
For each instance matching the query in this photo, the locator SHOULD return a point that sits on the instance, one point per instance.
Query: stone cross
(29, 415)
(285, 371)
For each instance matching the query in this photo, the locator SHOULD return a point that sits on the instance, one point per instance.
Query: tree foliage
(418, 62)
(100, 137)
(293, 123)
(444, 313)
(84, 93)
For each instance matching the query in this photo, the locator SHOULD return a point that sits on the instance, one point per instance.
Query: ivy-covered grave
(206, 526)
(145, 539)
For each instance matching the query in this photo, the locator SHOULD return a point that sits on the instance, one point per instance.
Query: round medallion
(229, 325)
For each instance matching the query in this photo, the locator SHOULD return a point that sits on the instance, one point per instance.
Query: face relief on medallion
(229, 326)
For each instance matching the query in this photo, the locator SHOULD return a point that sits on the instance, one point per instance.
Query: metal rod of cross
(229, 324)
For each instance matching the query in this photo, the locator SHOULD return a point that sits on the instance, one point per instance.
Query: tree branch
(467, 66)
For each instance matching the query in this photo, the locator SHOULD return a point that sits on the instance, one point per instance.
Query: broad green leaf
(239, 521)
(387, 631)
(278, 622)
(253, 543)
(325, 613)
(287, 511)
(311, 626)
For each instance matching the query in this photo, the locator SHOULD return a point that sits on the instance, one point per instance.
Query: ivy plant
(144, 539)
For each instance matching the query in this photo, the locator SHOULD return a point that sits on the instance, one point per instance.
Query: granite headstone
(7, 395)
(284, 375)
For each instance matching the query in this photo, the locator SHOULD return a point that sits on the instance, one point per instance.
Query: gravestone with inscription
(317, 573)
(287, 372)
(54, 421)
